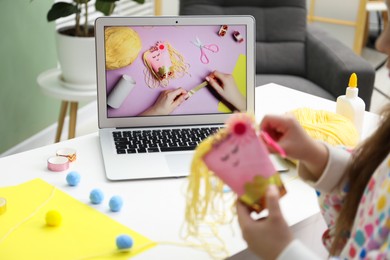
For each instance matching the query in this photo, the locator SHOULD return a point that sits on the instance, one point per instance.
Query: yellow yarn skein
(326, 126)
(207, 206)
(122, 45)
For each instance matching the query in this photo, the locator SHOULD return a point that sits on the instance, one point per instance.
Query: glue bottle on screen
(350, 105)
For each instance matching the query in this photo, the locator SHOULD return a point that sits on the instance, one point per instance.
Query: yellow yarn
(122, 45)
(326, 126)
(207, 206)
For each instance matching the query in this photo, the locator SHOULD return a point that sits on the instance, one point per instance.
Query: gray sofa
(291, 53)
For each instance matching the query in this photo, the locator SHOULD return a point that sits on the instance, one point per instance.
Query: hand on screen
(167, 101)
(225, 86)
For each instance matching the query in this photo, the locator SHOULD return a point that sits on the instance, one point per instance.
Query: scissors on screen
(211, 47)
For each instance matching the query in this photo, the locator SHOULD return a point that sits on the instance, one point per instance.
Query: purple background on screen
(180, 38)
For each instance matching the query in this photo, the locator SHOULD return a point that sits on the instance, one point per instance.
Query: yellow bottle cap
(352, 81)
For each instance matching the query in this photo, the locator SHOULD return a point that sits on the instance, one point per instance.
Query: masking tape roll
(3, 205)
(68, 153)
(57, 163)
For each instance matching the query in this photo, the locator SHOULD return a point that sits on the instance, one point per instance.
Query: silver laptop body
(140, 57)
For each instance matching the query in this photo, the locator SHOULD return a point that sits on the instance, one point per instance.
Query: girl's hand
(267, 237)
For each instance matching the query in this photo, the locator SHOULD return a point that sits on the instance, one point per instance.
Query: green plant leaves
(61, 9)
(139, 1)
(105, 6)
(81, 1)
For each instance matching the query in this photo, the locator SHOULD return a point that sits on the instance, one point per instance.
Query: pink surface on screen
(180, 38)
(238, 159)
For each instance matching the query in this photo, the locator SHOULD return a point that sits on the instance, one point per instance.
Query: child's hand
(288, 133)
(296, 143)
(267, 237)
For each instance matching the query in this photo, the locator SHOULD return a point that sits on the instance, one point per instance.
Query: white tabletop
(52, 85)
(161, 221)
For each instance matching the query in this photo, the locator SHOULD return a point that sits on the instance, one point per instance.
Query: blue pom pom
(115, 203)
(73, 178)
(96, 196)
(124, 242)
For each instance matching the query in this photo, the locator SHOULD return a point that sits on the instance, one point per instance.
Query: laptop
(152, 88)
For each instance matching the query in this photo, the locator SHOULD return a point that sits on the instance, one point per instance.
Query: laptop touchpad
(179, 164)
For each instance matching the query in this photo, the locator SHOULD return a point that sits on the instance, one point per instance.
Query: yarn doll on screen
(234, 156)
(163, 63)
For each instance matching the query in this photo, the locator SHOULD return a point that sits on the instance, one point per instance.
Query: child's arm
(331, 188)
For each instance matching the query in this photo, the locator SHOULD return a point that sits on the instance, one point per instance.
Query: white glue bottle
(350, 105)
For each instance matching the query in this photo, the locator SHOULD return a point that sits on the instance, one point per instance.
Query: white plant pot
(76, 56)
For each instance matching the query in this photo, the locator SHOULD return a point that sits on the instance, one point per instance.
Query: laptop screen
(155, 67)
(177, 69)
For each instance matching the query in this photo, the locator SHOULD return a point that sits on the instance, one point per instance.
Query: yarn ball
(124, 242)
(53, 218)
(122, 45)
(96, 196)
(326, 126)
(73, 178)
(116, 203)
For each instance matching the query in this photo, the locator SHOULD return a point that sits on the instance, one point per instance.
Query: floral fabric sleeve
(370, 234)
(331, 188)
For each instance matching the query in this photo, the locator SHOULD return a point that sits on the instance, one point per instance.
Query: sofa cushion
(293, 82)
(280, 30)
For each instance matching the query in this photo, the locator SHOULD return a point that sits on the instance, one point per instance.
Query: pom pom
(124, 242)
(239, 128)
(115, 203)
(96, 196)
(239, 124)
(73, 178)
(53, 218)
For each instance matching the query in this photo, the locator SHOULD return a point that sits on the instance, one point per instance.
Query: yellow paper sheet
(239, 75)
(85, 233)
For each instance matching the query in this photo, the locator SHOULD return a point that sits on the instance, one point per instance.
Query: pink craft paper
(238, 158)
(159, 59)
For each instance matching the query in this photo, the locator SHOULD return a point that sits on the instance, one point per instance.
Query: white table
(161, 221)
(51, 85)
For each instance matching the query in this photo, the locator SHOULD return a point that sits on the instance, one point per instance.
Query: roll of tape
(57, 163)
(68, 153)
(3, 205)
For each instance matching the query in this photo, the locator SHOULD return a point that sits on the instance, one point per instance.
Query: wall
(27, 48)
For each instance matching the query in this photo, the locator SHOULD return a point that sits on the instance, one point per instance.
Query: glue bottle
(350, 105)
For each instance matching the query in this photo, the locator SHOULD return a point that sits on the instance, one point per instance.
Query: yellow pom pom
(122, 46)
(53, 218)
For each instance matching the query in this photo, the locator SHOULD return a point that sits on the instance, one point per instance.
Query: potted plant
(76, 43)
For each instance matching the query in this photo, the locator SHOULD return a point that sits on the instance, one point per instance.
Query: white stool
(50, 84)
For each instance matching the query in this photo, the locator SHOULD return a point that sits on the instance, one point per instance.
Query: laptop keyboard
(162, 140)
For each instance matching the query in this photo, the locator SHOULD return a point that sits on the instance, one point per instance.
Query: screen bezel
(177, 120)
